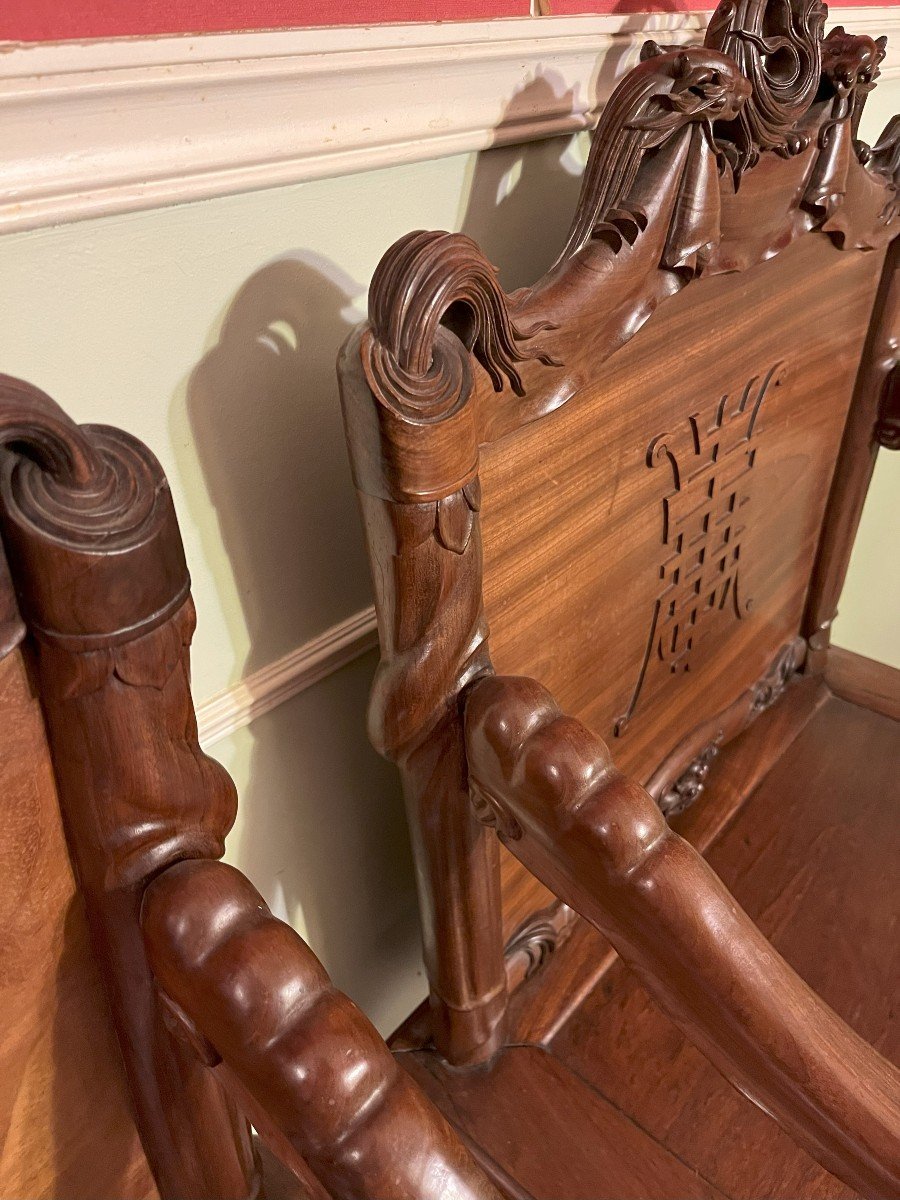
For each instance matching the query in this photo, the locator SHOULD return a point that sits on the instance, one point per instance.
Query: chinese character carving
(703, 522)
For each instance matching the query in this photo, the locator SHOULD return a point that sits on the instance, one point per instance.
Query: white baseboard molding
(93, 128)
(279, 681)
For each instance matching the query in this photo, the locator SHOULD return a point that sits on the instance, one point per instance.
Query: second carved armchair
(609, 518)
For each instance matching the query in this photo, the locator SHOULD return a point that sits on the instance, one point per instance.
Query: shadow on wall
(325, 832)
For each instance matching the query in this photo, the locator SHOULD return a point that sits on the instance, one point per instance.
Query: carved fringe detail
(665, 93)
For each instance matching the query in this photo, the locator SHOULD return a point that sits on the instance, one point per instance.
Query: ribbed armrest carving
(257, 1000)
(598, 840)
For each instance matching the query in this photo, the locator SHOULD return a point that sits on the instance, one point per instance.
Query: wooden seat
(609, 518)
(810, 866)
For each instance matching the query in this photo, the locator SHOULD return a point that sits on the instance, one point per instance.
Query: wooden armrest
(259, 1006)
(598, 840)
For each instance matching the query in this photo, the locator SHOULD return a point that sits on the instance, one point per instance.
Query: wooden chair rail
(259, 1007)
(597, 839)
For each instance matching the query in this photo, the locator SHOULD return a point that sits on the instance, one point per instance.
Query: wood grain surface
(810, 857)
(62, 1088)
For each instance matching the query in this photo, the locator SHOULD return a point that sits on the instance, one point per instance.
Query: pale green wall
(869, 613)
(868, 619)
(210, 331)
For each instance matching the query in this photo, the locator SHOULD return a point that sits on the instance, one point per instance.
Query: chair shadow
(322, 831)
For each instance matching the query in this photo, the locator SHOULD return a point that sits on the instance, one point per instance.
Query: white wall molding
(279, 681)
(93, 128)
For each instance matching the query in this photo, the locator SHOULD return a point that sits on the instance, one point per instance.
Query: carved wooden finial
(73, 496)
(35, 424)
(424, 280)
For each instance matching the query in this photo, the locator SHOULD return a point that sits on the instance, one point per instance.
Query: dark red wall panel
(571, 7)
(62, 20)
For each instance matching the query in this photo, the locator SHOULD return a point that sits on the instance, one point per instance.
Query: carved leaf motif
(454, 522)
(150, 661)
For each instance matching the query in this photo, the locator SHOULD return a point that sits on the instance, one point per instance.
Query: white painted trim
(93, 128)
(272, 685)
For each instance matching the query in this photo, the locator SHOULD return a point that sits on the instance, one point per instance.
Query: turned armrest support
(256, 1001)
(598, 840)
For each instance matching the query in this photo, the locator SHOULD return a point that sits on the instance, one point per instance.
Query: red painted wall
(59, 20)
(569, 7)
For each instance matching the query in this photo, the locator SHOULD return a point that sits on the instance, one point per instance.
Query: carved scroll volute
(96, 555)
(437, 315)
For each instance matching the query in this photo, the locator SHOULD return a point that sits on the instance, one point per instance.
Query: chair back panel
(648, 545)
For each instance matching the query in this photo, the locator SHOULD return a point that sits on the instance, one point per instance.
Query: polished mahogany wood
(548, 786)
(260, 1007)
(579, 962)
(807, 857)
(94, 548)
(62, 1088)
(622, 471)
(223, 1013)
(530, 1102)
(573, 957)
(871, 684)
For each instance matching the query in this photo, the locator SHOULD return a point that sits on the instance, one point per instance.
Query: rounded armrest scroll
(257, 998)
(599, 841)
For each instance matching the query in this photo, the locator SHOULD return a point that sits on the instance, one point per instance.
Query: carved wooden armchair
(656, 524)
(609, 518)
(223, 1014)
